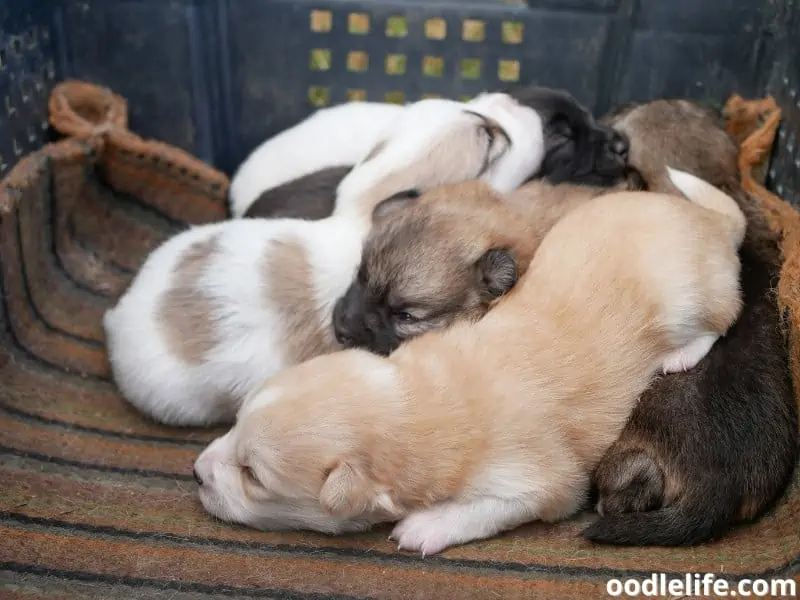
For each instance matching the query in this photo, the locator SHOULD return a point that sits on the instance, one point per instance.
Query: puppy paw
(426, 531)
(686, 358)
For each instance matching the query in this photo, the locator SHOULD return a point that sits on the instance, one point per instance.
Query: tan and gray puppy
(352, 438)
(432, 261)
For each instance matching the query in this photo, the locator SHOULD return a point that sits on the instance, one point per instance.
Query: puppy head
(298, 456)
(429, 262)
(681, 134)
(436, 142)
(525, 130)
(578, 149)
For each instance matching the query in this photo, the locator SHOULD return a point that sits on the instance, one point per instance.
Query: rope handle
(83, 110)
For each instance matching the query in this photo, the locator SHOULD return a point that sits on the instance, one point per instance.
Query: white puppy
(465, 432)
(331, 137)
(217, 309)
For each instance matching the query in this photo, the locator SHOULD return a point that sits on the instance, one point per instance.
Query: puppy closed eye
(404, 316)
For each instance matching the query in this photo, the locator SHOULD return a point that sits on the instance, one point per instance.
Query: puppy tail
(706, 195)
(688, 522)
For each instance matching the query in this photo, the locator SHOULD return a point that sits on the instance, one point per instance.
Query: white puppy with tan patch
(217, 309)
(331, 137)
(466, 432)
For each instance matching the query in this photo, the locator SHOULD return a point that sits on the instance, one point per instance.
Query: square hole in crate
(395, 64)
(508, 70)
(320, 59)
(432, 66)
(471, 68)
(397, 26)
(321, 21)
(436, 29)
(473, 30)
(512, 32)
(357, 61)
(358, 23)
(318, 96)
(356, 95)
(395, 97)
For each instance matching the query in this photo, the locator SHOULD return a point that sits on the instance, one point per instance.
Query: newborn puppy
(218, 308)
(478, 428)
(578, 148)
(717, 445)
(331, 137)
(432, 261)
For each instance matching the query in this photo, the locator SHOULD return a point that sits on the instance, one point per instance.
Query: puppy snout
(342, 336)
(202, 471)
(620, 146)
(341, 331)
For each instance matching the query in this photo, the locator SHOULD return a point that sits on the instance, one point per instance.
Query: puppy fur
(219, 308)
(331, 137)
(447, 256)
(475, 429)
(578, 148)
(717, 445)
(310, 197)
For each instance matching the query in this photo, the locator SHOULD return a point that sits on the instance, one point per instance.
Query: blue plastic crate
(216, 77)
(28, 70)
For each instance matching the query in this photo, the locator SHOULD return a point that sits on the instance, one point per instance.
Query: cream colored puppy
(466, 432)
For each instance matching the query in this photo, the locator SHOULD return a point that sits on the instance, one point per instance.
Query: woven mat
(96, 501)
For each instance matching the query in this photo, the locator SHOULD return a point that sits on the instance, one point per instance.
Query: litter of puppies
(465, 316)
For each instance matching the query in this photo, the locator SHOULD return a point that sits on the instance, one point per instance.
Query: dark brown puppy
(310, 197)
(716, 445)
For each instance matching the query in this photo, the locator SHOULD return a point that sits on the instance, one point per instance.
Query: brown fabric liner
(757, 122)
(94, 492)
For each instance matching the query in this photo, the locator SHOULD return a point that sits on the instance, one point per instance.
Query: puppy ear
(497, 270)
(393, 204)
(346, 492)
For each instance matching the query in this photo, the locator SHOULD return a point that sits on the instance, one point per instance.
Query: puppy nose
(620, 146)
(197, 477)
(340, 330)
(342, 336)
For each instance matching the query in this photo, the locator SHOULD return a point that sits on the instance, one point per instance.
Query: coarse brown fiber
(98, 502)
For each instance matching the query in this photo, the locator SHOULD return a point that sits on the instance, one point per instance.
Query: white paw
(426, 531)
(678, 363)
(686, 358)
